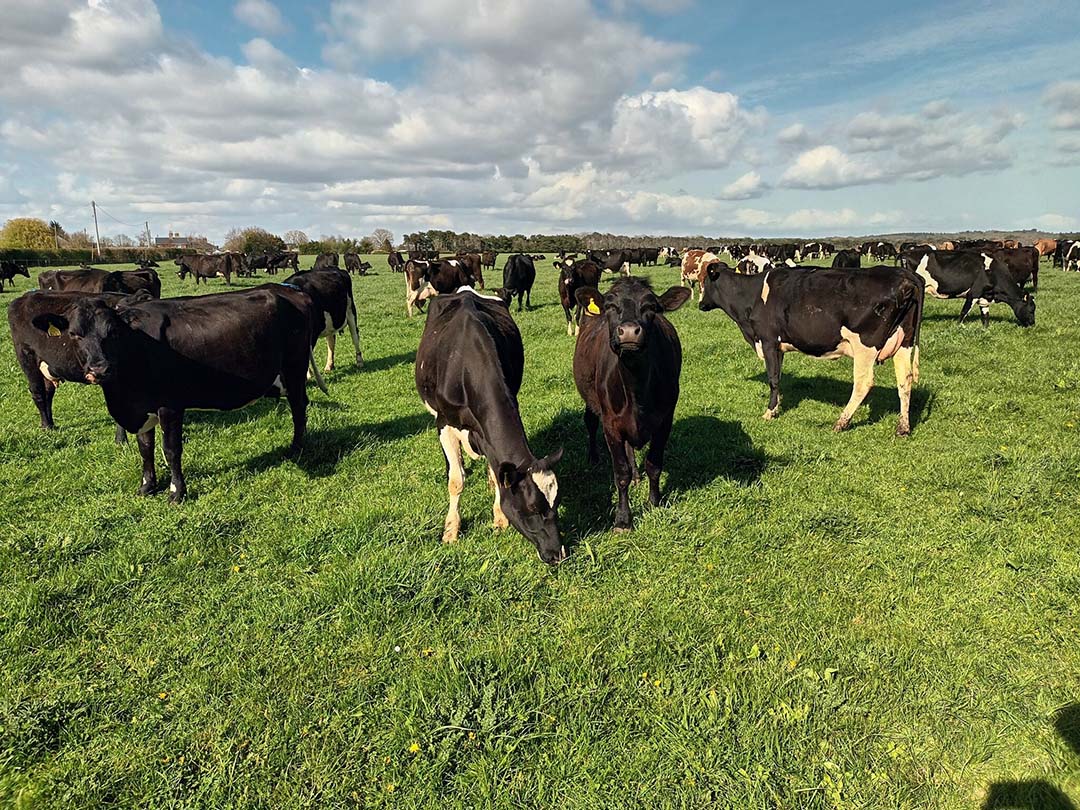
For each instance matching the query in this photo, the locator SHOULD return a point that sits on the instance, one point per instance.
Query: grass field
(812, 620)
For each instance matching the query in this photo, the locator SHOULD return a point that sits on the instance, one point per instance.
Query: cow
(259, 261)
(468, 373)
(330, 290)
(324, 260)
(288, 258)
(1071, 258)
(694, 265)
(354, 264)
(1046, 247)
(424, 255)
(976, 277)
(396, 262)
(45, 356)
(752, 264)
(947, 245)
(650, 255)
(1022, 264)
(8, 271)
(146, 263)
(572, 277)
(627, 364)
(487, 259)
(474, 264)
(205, 267)
(611, 261)
(519, 274)
(155, 359)
(94, 280)
(849, 259)
(425, 279)
(240, 264)
(869, 316)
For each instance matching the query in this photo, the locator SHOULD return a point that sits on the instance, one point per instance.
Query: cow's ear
(50, 323)
(674, 298)
(589, 299)
(509, 475)
(548, 461)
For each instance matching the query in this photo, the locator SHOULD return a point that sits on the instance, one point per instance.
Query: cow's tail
(920, 297)
(319, 381)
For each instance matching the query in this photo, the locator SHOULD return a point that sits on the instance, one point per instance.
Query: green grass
(812, 620)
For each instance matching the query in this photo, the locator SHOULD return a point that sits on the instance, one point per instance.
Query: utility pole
(148, 244)
(97, 234)
(56, 237)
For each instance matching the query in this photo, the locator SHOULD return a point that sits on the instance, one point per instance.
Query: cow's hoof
(449, 536)
(769, 414)
(177, 496)
(622, 529)
(841, 425)
(500, 523)
(903, 429)
(294, 451)
(359, 362)
(146, 490)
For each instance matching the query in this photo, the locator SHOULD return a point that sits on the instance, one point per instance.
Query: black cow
(8, 271)
(627, 364)
(868, 316)
(258, 261)
(468, 373)
(221, 265)
(611, 261)
(849, 259)
(354, 264)
(332, 293)
(47, 357)
(519, 274)
(1022, 263)
(288, 258)
(573, 276)
(324, 260)
(475, 266)
(156, 359)
(487, 259)
(976, 277)
(396, 262)
(425, 279)
(93, 280)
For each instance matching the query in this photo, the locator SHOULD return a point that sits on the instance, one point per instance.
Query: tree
(79, 240)
(27, 233)
(295, 238)
(383, 240)
(253, 240)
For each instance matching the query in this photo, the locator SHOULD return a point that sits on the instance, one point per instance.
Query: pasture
(812, 620)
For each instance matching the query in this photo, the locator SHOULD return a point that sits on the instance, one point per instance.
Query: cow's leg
(620, 466)
(354, 332)
(41, 389)
(592, 422)
(904, 380)
(864, 358)
(121, 435)
(455, 482)
(145, 440)
(172, 434)
(521, 298)
(984, 308)
(654, 461)
(569, 319)
(774, 360)
(331, 343)
(528, 298)
(966, 308)
(500, 520)
(635, 471)
(1035, 277)
(296, 393)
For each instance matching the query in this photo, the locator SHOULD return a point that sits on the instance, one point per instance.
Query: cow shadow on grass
(700, 450)
(972, 318)
(883, 401)
(349, 368)
(325, 448)
(1039, 794)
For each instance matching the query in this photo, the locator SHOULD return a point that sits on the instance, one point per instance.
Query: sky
(741, 118)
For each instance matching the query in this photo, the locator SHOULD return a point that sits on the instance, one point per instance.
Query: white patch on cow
(150, 423)
(431, 410)
(219, 275)
(546, 483)
(328, 328)
(172, 488)
(790, 263)
(931, 282)
(765, 289)
(987, 261)
(467, 289)
(47, 374)
(759, 350)
(279, 384)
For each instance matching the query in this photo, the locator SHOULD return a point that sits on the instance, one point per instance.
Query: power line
(114, 219)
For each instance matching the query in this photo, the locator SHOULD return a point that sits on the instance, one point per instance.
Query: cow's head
(529, 497)
(96, 332)
(629, 310)
(1025, 310)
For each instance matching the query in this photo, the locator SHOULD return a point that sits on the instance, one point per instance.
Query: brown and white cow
(695, 265)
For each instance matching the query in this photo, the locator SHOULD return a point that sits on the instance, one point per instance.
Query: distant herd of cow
(156, 358)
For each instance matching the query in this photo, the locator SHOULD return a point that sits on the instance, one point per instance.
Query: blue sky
(635, 116)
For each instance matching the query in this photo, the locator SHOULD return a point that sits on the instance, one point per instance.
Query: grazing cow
(396, 262)
(868, 316)
(156, 359)
(695, 263)
(8, 271)
(468, 373)
(288, 258)
(627, 364)
(331, 292)
(255, 262)
(46, 357)
(324, 260)
(1046, 247)
(519, 274)
(221, 265)
(146, 264)
(474, 265)
(354, 264)
(976, 277)
(424, 279)
(572, 277)
(93, 280)
(849, 259)
(752, 265)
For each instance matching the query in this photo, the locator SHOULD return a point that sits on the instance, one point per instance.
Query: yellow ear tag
(592, 308)
(53, 331)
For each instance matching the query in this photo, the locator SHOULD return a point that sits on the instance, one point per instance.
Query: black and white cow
(468, 373)
(155, 359)
(573, 276)
(331, 292)
(974, 276)
(869, 316)
(425, 279)
(611, 261)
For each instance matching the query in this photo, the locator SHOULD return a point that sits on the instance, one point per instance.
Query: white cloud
(828, 167)
(747, 187)
(1057, 222)
(261, 15)
(794, 135)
